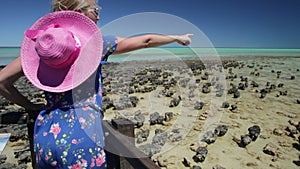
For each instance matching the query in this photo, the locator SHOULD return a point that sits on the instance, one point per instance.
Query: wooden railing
(120, 149)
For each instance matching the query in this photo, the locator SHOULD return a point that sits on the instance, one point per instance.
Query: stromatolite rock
(232, 90)
(160, 138)
(205, 90)
(158, 131)
(169, 93)
(280, 85)
(134, 100)
(18, 132)
(220, 90)
(278, 132)
(175, 135)
(150, 149)
(119, 106)
(186, 162)
(233, 107)
(138, 119)
(236, 94)
(22, 166)
(221, 130)
(2, 158)
(271, 149)
(278, 74)
(128, 101)
(166, 74)
(19, 151)
(283, 93)
(207, 84)
(242, 86)
(271, 87)
(142, 135)
(265, 90)
(107, 103)
(198, 105)
(204, 76)
(169, 116)
(292, 77)
(245, 140)
(7, 166)
(175, 102)
(201, 154)
(254, 84)
(243, 79)
(155, 118)
(209, 137)
(254, 132)
(263, 95)
(292, 129)
(225, 105)
(146, 89)
(24, 158)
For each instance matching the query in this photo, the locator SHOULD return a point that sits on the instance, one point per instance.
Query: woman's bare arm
(8, 75)
(151, 40)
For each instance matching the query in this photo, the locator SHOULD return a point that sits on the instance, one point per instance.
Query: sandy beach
(233, 113)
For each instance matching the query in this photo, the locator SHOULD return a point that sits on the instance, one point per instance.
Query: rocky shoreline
(233, 113)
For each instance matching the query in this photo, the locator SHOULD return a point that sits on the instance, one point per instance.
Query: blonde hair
(71, 5)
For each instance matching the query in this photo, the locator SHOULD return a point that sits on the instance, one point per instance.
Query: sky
(226, 23)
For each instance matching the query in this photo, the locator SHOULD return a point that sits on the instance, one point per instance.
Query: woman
(58, 140)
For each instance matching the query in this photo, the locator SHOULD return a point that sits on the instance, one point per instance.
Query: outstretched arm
(151, 40)
(8, 75)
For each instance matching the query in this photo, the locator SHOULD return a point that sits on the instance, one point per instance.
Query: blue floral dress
(68, 133)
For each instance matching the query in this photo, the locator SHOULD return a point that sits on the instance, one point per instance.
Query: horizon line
(198, 47)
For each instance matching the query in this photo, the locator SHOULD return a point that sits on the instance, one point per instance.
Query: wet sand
(266, 94)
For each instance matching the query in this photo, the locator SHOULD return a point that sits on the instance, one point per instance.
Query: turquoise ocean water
(8, 54)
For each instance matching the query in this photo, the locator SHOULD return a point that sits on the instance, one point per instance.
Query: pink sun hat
(61, 50)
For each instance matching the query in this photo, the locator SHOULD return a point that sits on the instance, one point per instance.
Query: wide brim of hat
(61, 80)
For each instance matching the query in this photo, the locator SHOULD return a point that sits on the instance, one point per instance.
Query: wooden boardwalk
(119, 139)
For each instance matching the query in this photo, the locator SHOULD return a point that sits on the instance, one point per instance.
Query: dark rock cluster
(22, 152)
(158, 141)
(209, 137)
(227, 105)
(253, 133)
(201, 154)
(293, 129)
(127, 83)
